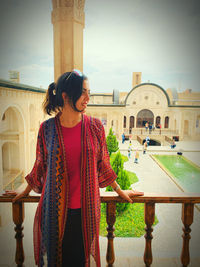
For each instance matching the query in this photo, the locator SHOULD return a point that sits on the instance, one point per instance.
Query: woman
(72, 163)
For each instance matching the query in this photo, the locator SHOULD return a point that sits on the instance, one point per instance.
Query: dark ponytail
(49, 104)
(70, 83)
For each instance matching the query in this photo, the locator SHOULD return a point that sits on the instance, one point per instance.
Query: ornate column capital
(68, 10)
(79, 10)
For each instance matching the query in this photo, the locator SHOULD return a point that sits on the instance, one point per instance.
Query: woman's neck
(70, 118)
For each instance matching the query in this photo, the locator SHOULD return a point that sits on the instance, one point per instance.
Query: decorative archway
(145, 115)
(12, 149)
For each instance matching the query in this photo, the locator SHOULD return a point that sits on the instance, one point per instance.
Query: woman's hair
(70, 83)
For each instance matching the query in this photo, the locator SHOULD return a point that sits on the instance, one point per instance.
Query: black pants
(72, 245)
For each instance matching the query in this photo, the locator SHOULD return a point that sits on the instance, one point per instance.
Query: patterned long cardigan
(49, 177)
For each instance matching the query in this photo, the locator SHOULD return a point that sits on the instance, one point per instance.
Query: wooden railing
(111, 198)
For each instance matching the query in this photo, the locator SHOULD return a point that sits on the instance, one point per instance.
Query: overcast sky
(160, 38)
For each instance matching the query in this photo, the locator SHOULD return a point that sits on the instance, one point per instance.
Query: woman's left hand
(127, 194)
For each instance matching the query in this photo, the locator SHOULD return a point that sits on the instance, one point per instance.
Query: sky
(160, 38)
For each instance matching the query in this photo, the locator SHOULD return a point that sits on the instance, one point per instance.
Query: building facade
(21, 114)
(171, 114)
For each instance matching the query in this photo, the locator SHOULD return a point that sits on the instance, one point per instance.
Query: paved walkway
(167, 234)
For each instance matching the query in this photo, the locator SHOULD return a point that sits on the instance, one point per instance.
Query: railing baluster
(187, 219)
(111, 199)
(18, 218)
(110, 218)
(149, 220)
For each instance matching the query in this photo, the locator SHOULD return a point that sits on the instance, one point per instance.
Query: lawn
(129, 223)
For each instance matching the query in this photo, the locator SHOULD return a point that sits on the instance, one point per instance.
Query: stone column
(68, 21)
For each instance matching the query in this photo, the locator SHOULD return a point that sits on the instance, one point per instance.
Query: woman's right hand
(18, 195)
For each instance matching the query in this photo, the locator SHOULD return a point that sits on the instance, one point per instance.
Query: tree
(112, 143)
(122, 179)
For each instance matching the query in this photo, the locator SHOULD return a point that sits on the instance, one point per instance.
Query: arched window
(167, 122)
(132, 120)
(158, 122)
(124, 121)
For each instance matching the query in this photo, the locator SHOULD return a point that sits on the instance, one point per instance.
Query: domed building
(174, 115)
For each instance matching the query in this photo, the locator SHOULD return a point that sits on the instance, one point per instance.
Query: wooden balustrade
(111, 198)
(149, 215)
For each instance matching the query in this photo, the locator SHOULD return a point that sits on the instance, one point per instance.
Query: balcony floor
(125, 262)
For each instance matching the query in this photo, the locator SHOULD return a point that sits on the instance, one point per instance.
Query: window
(124, 121)
(158, 119)
(132, 119)
(167, 122)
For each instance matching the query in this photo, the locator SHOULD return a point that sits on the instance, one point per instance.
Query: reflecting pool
(185, 172)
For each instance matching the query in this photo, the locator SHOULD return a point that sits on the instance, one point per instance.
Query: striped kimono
(49, 177)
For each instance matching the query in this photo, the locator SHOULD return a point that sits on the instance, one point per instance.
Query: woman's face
(81, 103)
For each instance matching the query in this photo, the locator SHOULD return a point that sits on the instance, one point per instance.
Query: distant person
(136, 156)
(129, 149)
(173, 145)
(145, 147)
(146, 126)
(148, 140)
(123, 138)
(150, 128)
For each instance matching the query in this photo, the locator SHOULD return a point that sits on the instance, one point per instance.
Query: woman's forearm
(27, 190)
(125, 194)
(115, 186)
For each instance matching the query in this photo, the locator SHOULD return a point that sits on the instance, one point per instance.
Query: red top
(72, 142)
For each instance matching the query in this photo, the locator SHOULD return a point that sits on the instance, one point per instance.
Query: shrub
(122, 179)
(112, 143)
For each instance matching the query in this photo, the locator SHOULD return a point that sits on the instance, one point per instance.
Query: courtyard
(167, 234)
